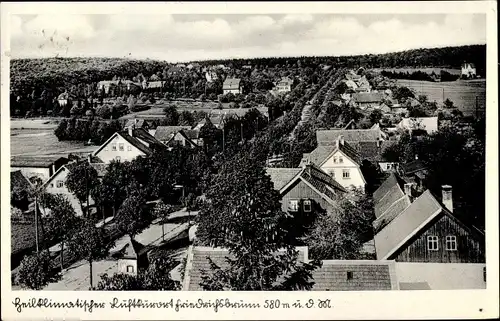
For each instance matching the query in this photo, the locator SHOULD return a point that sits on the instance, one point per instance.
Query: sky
(183, 37)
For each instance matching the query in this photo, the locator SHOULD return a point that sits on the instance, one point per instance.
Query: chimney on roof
(131, 131)
(407, 188)
(447, 197)
(340, 140)
(89, 158)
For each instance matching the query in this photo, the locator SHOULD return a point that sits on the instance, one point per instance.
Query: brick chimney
(447, 197)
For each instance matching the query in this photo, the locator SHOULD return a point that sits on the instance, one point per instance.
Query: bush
(103, 112)
(35, 272)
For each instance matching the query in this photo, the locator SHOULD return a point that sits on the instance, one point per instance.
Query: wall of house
(302, 191)
(42, 172)
(469, 249)
(232, 91)
(53, 187)
(123, 263)
(336, 171)
(387, 167)
(129, 152)
(442, 276)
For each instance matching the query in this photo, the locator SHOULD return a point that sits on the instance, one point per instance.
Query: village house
(415, 172)
(363, 85)
(284, 85)
(418, 124)
(106, 85)
(468, 70)
(211, 76)
(131, 257)
(63, 99)
(351, 84)
(334, 275)
(365, 100)
(165, 133)
(152, 85)
(232, 85)
(341, 161)
(419, 228)
(306, 189)
(185, 137)
(126, 145)
(42, 167)
(138, 123)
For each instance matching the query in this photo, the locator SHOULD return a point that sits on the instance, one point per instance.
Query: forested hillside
(54, 73)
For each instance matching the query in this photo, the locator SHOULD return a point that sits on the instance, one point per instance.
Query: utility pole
(443, 95)
(241, 131)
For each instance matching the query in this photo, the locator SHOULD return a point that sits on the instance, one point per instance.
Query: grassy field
(426, 70)
(36, 137)
(462, 93)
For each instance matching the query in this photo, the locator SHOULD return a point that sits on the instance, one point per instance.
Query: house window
(60, 184)
(484, 274)
(341, 159)
(346, 174)
(335, 159)
(350, 275)
(332, 173)
(113, 147)
(51, 185)
(121, 147)
(389, 166)
(293, 205)
(130, 269)
(307, 206)
(129, 148)
(451, 243)
(432, 243)
(118, 158)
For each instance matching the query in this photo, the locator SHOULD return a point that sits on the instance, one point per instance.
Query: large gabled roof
(282, 176)
(165, 133)
(34, 161)
(329, 136)
(139, 136)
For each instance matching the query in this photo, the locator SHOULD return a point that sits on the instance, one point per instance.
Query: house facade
(306, 189)
(284, 85)
(187, 138)
(419, 228)
(127, 145)
(365, 100)
(232, 85)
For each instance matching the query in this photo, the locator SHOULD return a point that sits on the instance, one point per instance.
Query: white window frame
(113, 147)
(432, 243)
(131, 268)
(307, 205)
(344, 172)
(121, 147)
(129, 148)
(59, 184)
(451, 243)
(293, 205)
(118, 158)
(389, 166)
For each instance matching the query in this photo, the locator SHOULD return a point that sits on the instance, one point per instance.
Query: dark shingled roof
(413, 166)
(366, 276)
(384, 188)
(282, 176)
(320, 153)
(131, 249)
(138, 135)
(18, 181)
(165, 133)
(197, 261)
(34, 161)
(391, 212)
(231, 83)
(405, 224)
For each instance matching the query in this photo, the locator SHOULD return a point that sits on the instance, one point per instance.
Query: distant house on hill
(186, 137)
(165, 133)
(63, 99)
(232, 85)
(364, 100)
(424, 229)
(138, 123)
(468, 70)
(306, 189)
(126, 145)
(42, 167)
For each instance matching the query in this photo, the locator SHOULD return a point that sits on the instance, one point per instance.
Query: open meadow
(428, 70)
(463, 93)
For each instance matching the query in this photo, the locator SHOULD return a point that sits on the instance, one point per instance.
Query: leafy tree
(186, 118)
(62, 222)
(112, 191)
(82, 181)
(171, 116)
(340, 234)
(244, 215)
(90, 243)
(35, 271)
(448, 103)
(402, 93)
(375, 116)
(133, 216)
(162, 211)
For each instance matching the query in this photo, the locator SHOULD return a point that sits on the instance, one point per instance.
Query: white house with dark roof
(365, 100)
(232, 85)
(468, 70)
(127, 145)
(42, 167)
(340, 161)
(165, 133)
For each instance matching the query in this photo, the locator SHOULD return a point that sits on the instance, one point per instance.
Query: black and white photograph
(247, 151)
